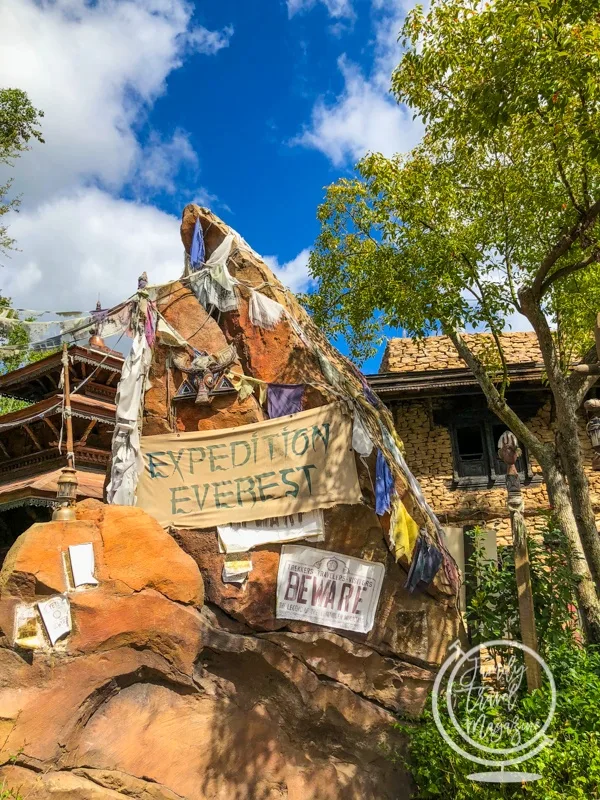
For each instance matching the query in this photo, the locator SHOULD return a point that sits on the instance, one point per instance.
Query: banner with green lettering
(269, 469)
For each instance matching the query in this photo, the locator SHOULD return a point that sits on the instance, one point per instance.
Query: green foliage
(509, 167)
(493, 611)
(19, 123)
(14, 336)
(571, 765)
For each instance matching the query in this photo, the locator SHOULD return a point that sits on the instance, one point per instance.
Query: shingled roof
(438, 352)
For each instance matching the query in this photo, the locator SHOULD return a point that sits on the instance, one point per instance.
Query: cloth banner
(328, 588)
(269, 469)
(245, 535)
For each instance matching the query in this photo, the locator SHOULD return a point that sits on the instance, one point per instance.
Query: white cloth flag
(361, 441)
(264, 312)
(81, 557)
(244, 536)
(127, 460)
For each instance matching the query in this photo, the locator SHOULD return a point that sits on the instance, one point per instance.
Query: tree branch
(569, 269)
(563, 245)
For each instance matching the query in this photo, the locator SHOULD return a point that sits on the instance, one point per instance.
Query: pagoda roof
(36, 381)
(40, 489)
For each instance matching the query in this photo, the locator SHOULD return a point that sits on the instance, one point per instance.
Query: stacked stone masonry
(438, 352)
(429, 449)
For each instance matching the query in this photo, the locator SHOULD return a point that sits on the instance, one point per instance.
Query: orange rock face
(173, 684)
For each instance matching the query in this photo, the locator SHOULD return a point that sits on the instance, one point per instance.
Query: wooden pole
(508, 450)
(67, 396)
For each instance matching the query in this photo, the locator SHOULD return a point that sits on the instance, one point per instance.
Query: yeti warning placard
(275, 468)
(328, 588)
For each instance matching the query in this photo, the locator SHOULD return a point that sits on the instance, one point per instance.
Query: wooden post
(67, 396)
(508, 450)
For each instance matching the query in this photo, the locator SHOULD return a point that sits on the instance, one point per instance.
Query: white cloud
(96, 67)
(338, 9)
(362, 119)
(86, 244)
(364, 116)
(209, 42)
(294, 273)
(162, 159)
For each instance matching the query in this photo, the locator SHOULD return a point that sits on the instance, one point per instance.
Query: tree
(495, 212)
(19, 122)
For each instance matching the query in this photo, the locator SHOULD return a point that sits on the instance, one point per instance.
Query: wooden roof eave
(12, 382)
(445, 382)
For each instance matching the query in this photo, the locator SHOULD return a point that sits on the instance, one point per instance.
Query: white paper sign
(56, 614)
(82, 564)
(328, 588)
(244, 536)
(28, 632)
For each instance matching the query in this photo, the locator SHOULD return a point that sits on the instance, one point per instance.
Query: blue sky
(250, 108)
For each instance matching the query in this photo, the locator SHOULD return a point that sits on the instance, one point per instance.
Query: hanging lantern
(66, 494)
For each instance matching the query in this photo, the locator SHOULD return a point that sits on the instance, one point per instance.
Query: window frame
(492, 478)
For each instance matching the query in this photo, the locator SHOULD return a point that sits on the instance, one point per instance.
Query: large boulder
(174, 684)
(156, 696)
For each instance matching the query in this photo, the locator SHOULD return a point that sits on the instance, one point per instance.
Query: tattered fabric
(404, 531)
(284, 398)
(361, 441)
(127, 460)
(197, 252)
(211, 294)
(264, 312)
(384, 485)
(426, 562)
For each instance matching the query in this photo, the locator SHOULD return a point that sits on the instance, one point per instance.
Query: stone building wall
(429, 455)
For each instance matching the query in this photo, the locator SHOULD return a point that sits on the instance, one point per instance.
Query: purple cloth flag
(197, 252)
(284, 398)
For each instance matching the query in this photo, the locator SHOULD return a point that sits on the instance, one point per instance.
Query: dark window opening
(470, 451)
(476, 459)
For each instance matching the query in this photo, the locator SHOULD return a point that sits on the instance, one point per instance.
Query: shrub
(570, 767)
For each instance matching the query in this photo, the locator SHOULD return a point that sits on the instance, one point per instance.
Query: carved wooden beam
(82, 442)
(587, 369)
(52, 427)
(111, 378)
(33, 437)
(5, 451)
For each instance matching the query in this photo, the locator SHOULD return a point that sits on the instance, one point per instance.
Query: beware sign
(328, 588)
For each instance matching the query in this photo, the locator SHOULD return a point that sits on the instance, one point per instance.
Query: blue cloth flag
(197, 252)
(384, 485)
(425, 563)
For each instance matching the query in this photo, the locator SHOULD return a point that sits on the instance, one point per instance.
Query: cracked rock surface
(154, 695)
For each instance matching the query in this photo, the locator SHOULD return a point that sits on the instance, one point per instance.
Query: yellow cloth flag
(403, 531)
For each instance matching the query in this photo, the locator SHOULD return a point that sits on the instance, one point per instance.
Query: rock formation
(174, 684)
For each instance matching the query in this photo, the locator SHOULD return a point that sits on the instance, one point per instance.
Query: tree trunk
(589, 604)
(569, 450)
(567, 443)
